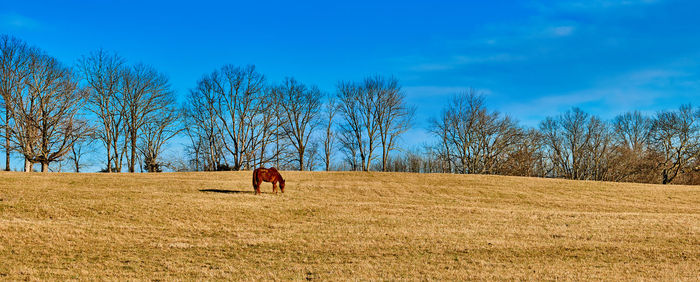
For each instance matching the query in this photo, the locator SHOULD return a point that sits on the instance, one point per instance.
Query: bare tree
(393, 116)
(675, 137)
(146, 93)
(195, 149)
(331, 108)
(599, 160)
(498, 137)
(81, 148)
(311, 155)
(474, 139)
(46, 114)
(14, 62)
(359, 104)
(441, 129)
(575, 137)
(348, 145)
(632, 130)
(578, 145)
(103, 73)
(457, 127)
(160, 127)
(630, 148)
(555, 153)
(352, 134)
(527, 159)
(300, 111)
(567, 138)
(269, 124)
(239, 91)
(202, 125)
(235, 113)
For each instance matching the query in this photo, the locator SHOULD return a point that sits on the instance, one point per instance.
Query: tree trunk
(7, 140)
(369, 156)
(109, 160)
(27, 165)
(385, 156)
(301, 161)
(665, 180)
(7, 154)
(44, 167)
(132, 161)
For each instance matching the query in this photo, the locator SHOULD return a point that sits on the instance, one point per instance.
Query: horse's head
(282, 185)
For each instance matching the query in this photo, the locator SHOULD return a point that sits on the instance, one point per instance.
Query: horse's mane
(277, 172)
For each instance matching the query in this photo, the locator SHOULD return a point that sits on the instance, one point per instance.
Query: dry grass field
(343, 225)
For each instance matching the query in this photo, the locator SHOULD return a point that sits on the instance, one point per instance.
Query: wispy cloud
(562, 30)
(17, 21)
(458, 61)
(444, 91)
(603, 55)
(431, 67)
(637, 90)
(496, 44)
(598, 4)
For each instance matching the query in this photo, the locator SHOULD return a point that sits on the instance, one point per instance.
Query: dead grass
(344, 225)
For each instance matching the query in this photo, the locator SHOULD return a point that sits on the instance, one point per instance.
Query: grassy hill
(344, 225)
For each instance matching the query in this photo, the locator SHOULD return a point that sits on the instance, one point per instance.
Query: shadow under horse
(226, 191)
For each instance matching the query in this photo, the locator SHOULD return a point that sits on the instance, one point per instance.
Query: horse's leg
(256, 186)
(255, 182)
(274, 187)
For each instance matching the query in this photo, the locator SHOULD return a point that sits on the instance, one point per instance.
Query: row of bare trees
(374, 116)
(235, 119)
(51, 110)
(573, 145)
(41, 103)
(133, 108)
(473, 139)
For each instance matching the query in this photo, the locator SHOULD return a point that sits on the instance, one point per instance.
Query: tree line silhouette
(123, 116)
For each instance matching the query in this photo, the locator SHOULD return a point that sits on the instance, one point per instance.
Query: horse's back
(276, 173)
(265, 173)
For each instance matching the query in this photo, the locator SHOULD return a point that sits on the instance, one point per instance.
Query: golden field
(343, 225)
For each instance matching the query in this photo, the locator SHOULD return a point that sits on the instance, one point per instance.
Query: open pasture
(341, 225)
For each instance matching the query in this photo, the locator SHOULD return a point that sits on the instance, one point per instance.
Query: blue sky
(531, 59)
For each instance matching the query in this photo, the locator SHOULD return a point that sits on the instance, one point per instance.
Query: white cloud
(428, 91)
(602, 4)
(431, 67)
(561, 31)
(637, 90)
(465, 60)
(500, 58)
(496, 44)
(13, 20)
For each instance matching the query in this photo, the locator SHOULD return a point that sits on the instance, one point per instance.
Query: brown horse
(268, 175)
